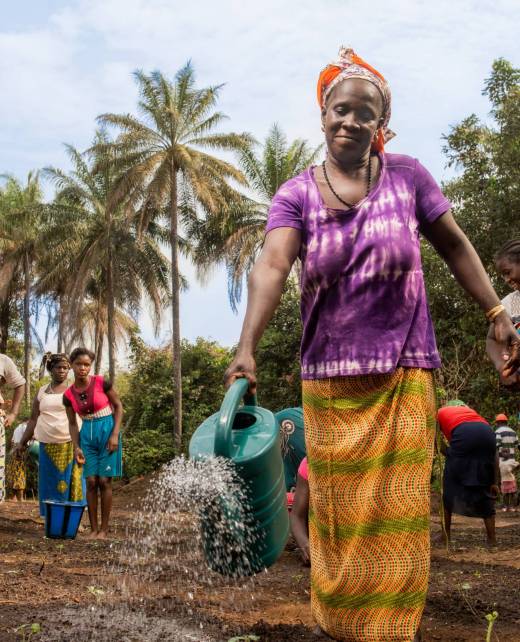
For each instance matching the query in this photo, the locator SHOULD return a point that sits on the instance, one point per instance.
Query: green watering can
(249, 437)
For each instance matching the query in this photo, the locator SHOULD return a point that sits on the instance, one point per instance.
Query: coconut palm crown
(106, 259)
(165, 160)
(237, 237)
(22, 218)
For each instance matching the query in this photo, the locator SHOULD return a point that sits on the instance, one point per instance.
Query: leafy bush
(146, 392)
(146, 389)
(278, 355)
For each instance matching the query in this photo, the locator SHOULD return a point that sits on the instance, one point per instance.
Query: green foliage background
(146, 388)
(486, 199)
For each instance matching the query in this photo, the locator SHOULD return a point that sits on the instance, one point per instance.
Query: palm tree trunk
(98, 340)
(99, 353)
(27, 328)
(61, 323)
(176, 329)
(5, 318)
(110, 313)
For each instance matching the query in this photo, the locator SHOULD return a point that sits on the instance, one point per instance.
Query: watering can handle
(228, 410)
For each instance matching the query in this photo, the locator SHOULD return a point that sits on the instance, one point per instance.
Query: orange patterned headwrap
(350, 65)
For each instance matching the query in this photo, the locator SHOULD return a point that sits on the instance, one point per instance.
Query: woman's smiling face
(510, 272)
(351, 117)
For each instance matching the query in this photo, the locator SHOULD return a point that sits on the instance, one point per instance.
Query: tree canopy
(486, 199)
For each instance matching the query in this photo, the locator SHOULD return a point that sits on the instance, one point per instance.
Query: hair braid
(510, 250)
(49, 360)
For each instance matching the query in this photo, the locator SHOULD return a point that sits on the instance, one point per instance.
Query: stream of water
(194, 519)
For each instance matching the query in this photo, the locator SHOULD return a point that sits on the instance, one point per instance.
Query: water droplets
(188, 544)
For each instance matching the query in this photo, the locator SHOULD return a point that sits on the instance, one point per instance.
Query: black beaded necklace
(369, 181)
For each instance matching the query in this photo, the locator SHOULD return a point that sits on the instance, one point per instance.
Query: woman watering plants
(368, 353)
(59, 476)
(98, 446)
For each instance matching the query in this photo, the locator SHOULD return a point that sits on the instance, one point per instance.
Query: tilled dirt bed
(71, 590)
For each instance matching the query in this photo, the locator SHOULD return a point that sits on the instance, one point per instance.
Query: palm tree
(237, 236)
(113, 261)
(23, 217)
(55, 264)
(164, 156)
(10, 289)
(92, 326)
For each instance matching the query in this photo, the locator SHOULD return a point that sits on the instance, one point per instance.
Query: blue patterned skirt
(59, 476)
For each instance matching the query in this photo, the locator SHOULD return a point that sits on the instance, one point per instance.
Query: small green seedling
(26, 631)
(96, 592)
(490, 617)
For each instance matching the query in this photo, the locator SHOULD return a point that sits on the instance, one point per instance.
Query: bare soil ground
(69, 590)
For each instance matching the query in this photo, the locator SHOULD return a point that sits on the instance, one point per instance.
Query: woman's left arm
(464, 263)
(116, 404)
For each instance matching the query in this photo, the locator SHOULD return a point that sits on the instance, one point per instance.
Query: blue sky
(63, 63)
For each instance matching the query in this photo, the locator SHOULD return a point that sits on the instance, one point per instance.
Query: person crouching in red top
(471, 473)
(98, 446)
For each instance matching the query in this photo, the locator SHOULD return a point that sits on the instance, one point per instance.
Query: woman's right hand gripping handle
(243, 365)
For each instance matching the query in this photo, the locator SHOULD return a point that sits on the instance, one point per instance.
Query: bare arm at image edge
(73, 426)
(464, 263)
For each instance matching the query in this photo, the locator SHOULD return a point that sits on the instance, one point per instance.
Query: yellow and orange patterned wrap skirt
(15, 475)
(370, 449)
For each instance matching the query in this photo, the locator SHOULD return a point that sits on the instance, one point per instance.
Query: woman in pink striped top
(98, 446)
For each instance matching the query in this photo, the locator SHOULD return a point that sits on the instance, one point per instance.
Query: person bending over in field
(98, 446)
(471, 476)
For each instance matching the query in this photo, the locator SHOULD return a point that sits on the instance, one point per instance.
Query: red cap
(501, 417)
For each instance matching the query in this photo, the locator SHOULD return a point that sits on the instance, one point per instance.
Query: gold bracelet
(492, 314)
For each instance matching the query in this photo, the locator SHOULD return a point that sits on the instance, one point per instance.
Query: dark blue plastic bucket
(62, 519)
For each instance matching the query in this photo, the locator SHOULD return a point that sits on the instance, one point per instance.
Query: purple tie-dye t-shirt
(363, 301)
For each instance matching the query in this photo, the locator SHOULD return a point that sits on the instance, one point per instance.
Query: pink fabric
(96, 398)
(508, 487)
(363, 300)
(303, 470)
